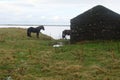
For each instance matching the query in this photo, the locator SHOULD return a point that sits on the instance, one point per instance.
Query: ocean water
(53, 31)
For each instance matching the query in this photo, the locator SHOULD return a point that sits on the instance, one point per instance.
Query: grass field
(23, 58)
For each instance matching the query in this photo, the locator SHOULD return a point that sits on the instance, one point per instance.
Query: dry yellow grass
(23, 58)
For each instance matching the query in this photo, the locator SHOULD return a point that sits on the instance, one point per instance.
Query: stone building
(98, 23)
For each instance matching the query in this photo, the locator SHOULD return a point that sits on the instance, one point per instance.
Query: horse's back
(31, 29)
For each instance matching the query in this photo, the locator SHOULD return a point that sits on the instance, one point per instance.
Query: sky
(48, 12)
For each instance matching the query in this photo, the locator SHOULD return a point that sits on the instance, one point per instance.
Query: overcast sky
(57, 12)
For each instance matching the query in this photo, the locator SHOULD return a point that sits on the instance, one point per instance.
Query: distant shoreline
(53, 31)
(30, 25)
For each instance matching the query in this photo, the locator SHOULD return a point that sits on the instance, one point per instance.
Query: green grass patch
(24, 58)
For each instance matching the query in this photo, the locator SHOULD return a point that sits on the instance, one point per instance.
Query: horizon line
(32, 25)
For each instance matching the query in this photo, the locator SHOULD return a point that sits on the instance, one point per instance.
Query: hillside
(23, 58)
(19, 34)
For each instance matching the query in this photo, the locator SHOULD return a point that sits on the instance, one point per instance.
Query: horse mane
(40, 27)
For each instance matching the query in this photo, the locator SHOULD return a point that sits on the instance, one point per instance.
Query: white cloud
(43, 17)
(56, 18)
(10, 8)
(48, 11)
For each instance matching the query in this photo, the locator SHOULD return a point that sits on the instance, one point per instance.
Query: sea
(51, 30)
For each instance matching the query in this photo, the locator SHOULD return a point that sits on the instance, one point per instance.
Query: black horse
(35, 30)
(65, 32)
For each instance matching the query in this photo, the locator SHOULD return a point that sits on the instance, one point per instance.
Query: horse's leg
(64, 37)
(30, 34)
(37, 34)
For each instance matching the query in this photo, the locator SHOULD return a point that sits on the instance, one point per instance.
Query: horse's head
(42, 27)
